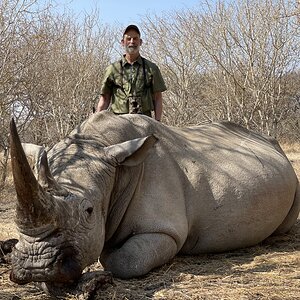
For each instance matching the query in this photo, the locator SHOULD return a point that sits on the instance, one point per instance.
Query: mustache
(132, 47)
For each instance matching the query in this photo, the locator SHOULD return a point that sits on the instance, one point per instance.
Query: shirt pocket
(149, 78)
(118, 80)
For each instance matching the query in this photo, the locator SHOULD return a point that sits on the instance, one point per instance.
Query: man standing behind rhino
(132, 84)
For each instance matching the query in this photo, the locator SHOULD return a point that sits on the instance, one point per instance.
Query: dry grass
(270, 270)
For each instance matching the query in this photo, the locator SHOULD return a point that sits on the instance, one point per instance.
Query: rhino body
(135, 192)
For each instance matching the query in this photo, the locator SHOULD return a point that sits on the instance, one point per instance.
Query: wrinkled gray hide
(135, 193)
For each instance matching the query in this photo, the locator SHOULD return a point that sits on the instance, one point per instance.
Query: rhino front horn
(31, 209)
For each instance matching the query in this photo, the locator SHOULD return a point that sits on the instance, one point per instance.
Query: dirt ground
(270, 270)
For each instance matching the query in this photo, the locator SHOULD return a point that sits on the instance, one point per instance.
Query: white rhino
(135, 192)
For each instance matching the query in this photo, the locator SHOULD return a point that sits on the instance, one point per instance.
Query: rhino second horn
(46, 179)
(32, 204)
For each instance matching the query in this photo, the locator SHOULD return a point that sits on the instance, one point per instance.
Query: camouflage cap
(134, 27)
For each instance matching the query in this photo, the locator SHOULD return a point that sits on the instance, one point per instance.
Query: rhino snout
(63, 267)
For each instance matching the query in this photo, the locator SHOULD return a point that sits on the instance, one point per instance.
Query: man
(132, 84)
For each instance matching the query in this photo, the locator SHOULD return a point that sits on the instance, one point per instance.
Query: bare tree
(51, 65)
(16, 18)
(227, 60)
(169, 43)
(235, 60)
(64, 83)
(252, 46)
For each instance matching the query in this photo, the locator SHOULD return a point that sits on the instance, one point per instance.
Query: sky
(121, 12)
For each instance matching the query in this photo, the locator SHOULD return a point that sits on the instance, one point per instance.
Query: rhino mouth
(63, 268)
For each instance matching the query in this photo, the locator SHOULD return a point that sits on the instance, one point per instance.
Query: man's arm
(104, 102)
(158, 106)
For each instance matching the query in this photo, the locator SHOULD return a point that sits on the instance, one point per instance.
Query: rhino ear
(132, 152)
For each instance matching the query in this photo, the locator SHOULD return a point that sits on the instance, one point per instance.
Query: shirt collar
(124, 60)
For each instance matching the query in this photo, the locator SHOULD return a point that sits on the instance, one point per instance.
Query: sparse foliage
(230, 61)
(170, 44)
(233, 60)
(50, 69)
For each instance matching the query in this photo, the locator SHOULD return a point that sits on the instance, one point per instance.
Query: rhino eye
(86, 206)
(89, 210)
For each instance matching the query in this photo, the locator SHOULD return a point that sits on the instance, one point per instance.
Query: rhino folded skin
(138, 192)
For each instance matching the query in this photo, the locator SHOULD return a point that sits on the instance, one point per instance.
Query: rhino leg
(292, 216)
(139, 255)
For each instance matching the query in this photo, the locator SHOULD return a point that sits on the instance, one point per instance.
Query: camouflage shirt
(123, 80)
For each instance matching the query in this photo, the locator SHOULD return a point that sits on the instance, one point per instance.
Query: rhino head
(62, 231)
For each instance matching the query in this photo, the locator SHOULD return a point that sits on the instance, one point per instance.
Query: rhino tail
(292, 215)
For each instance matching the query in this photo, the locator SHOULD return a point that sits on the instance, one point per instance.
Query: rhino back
(247, 183)
(206, 186)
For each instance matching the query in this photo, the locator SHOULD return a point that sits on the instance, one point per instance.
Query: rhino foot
(85, 289)
(91, 282)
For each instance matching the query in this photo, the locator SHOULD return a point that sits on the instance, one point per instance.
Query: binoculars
(135, 105)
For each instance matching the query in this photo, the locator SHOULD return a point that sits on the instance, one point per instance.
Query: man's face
(131, 42)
